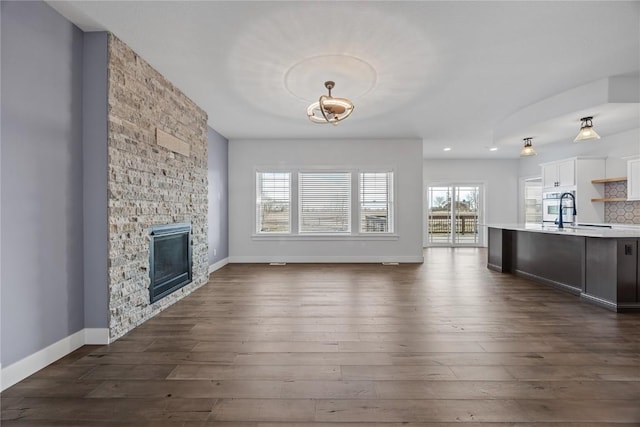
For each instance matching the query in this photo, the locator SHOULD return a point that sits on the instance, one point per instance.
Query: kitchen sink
(577, 227)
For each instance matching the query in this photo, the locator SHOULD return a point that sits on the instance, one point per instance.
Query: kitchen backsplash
(620, 212)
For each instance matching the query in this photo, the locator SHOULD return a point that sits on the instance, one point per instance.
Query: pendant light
(329, 109)
(527, 150)
(586, 130)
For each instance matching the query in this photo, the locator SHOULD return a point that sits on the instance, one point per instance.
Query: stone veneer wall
(148, 184)
(620, 212)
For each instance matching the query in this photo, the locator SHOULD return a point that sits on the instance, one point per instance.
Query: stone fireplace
(151, 188)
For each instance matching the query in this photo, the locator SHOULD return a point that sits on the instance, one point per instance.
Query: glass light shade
(586, 130)
(586, 133)
(527, 150)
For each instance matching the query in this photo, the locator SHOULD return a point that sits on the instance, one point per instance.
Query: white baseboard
(218, 265)
(31, 364)
(326, 259)
(96, 336)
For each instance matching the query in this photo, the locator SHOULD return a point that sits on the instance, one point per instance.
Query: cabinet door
(549, 175)
(627, 267)
(567, 173)
(633, 179)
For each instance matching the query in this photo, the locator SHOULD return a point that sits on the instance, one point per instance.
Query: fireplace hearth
(169, 259)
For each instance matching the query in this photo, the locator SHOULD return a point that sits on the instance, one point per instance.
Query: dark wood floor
(307, 345)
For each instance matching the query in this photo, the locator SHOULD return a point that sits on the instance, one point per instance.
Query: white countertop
(579, 230)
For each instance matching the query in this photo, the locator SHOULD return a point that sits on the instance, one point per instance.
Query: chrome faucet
(560, 222)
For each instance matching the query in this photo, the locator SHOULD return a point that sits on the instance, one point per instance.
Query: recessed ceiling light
(446, 149)
(493, 148)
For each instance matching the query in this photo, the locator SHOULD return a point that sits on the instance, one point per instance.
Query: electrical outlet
(215, 251)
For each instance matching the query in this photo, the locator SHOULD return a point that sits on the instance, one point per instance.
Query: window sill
(326, 237)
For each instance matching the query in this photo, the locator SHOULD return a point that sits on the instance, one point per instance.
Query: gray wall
(218, 196)
(614, 147)
(41, 194)
(94, 156)
(403, 156)
(499, 176)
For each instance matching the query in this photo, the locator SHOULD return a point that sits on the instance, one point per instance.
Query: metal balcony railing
(440, 223)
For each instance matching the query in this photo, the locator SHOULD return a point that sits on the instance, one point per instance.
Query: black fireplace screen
(169, 259)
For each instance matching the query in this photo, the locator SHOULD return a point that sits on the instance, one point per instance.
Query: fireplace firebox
(169, 259)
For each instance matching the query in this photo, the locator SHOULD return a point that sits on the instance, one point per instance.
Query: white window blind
(273, 202)
(376, 202)
(324, 202)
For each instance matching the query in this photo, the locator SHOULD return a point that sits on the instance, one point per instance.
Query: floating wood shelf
(610, 199)
(604, 180)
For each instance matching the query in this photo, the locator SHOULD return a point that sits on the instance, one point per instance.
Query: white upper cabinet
(633, 179)
(559, 174)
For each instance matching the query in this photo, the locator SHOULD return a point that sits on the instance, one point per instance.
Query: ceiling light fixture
(329, 109)
(586, 130)
(446, 149)
(527, 150)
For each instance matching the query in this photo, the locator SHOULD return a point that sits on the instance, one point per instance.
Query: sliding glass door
(453, 214)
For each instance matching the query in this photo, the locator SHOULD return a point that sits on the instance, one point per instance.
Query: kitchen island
(598, 264)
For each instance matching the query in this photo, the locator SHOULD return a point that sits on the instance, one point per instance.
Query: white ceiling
(446, 72)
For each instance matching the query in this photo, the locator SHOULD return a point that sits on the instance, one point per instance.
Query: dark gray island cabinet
(599, 265)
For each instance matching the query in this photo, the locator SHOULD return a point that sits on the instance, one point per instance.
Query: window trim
(294, 206)
(256, 205)
(391, 220)
(327, 237)
(349, 230)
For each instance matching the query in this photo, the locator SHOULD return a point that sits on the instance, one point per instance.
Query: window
(325, 202)
(376, 202)
(273, 202)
